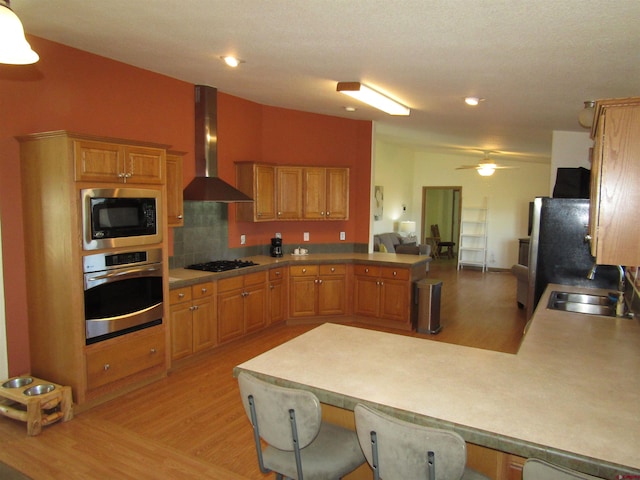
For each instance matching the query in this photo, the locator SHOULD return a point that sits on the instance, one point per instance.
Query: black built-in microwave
(120, 217)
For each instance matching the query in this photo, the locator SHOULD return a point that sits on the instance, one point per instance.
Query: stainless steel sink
(583, 303)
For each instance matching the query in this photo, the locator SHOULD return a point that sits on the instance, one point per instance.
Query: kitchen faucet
(620, 304)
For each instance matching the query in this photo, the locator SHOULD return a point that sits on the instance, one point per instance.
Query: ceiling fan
(486, 167)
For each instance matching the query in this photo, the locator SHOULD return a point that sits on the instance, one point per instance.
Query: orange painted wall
(290, 137)
(69, 89)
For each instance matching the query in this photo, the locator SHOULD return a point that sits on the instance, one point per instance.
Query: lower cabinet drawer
(119, 360)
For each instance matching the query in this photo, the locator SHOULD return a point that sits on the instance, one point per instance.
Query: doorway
(441, 206)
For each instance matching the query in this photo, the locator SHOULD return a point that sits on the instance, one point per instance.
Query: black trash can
(428, 296)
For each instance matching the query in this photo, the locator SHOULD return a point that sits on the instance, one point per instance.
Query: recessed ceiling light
(231, 61)
(350, 109)
(473, 101)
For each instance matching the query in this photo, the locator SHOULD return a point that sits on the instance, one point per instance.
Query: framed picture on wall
(378, 202)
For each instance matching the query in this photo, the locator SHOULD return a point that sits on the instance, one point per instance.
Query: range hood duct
(206, 186)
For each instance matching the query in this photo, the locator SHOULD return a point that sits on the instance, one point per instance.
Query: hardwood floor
(192, 425)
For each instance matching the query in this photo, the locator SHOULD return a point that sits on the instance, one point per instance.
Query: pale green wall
(404, 170)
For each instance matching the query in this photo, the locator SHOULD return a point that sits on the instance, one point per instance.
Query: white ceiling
(534, 62)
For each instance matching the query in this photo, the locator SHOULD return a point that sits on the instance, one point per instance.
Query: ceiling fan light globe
(487, 170)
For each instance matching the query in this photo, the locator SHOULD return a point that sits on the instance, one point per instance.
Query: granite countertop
(570, 395)
(181, 277)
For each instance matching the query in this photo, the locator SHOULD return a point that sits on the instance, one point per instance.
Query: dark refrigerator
(558, 252)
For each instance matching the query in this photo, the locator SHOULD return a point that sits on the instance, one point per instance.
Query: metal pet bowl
(17, 382)
(39, 389)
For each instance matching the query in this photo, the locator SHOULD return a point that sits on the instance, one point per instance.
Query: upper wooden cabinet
(175, 203)
(111, 162)
(259, 182)
(292, 192)
(289, 193)
(326, 193)
(615, 182)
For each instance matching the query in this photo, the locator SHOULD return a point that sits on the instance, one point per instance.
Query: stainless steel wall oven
(122, 293)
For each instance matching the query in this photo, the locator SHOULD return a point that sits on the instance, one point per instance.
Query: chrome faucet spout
(620, 278)
(592, 271)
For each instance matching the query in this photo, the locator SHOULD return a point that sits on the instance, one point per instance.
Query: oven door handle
(129, 271)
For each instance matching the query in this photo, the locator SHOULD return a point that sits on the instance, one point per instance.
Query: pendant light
(585, 117)
(14, 48)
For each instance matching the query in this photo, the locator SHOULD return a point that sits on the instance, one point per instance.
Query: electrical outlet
(278, 235)
(305, 236)
(243, 239)
(343, 236)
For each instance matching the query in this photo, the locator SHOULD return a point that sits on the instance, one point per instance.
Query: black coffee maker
(276, 247)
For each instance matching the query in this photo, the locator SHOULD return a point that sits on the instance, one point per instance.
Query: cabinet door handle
(328, 214)
(320, 281)
(395, 274)
(366, 270)
(180, 216)
(153, 351)
(106, 367)
(204, 290)
(333, 269)
(382, 284)
(278, 273)
(304, 270)
(272, 286)
(181, 295)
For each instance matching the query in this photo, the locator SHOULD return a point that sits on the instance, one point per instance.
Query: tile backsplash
(204, 235)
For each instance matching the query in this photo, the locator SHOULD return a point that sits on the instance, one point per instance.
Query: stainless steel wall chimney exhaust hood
(206, 186)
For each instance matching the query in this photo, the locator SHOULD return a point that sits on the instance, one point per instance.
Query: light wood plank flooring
(191, 424)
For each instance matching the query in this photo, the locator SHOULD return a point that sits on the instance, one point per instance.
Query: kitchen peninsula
(571, 395)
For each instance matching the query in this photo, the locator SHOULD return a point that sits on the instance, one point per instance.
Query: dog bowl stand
(36, 415)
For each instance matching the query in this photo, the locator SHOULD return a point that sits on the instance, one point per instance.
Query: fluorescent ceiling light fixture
(371, 97)
(473, 101)
(486, 169)
(14, 48)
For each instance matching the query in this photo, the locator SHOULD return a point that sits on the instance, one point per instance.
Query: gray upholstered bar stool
(399, 450)
(535, 469)
(300, 445)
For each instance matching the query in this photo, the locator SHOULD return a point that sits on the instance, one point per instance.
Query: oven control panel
(107, 261)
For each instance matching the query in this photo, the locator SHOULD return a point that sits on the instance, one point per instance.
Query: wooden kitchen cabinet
(615, 182)
(289, 193)
(193, 320)
(121, 357)
(242, 305)
(175, 203)
(55, 167)
(117, 163)
(384, 293)
(317, 290)
(326, 193)
(277, 301)
(258, 182)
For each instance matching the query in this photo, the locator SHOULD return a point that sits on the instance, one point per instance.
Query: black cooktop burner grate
(221, 265)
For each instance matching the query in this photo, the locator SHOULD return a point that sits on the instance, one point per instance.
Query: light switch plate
(305, 236)
(278, 235)
(343, 236)
(243, 239)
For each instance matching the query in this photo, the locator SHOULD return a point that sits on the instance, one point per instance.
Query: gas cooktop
(221, 265)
